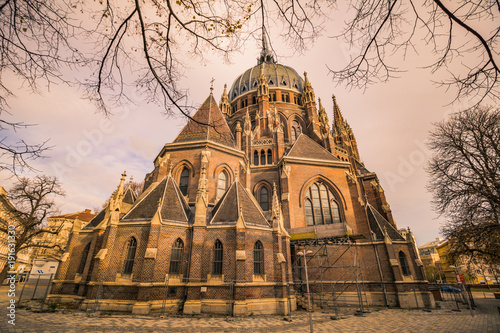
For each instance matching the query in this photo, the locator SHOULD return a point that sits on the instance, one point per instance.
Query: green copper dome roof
(277, 76)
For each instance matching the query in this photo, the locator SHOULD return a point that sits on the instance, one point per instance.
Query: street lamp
(304, 253)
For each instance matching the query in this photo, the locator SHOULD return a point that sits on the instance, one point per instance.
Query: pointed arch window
(218, 258)
(264, 198)
(262, 157)
(258, 258)
(83, 261)
(309, 212)
(320, 206)
(296, 130)
(256, 157)
(176, 257)
(269, 156)
(129, 259)
(184, 181)
(404, 263)
(221, 184)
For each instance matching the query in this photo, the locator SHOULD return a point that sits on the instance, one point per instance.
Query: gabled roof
(305, 147)
(235, 203)
(209, 124)
(85, 216)
(434, 243)
(95, 221)
(129, 196)
(362, 169)
(378, 224)
(167, 197)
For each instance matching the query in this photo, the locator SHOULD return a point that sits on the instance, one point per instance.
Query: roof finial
(212, 86)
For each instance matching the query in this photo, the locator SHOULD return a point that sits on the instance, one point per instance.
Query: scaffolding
(335, 277)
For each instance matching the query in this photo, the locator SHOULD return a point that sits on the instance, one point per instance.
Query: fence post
(22, 290)
(99, 291)
(289, 302)
(416, 299)
(36, 285)
(46, 292)
(384, 294)
(231, 300)
(165, 295)
(360, 298)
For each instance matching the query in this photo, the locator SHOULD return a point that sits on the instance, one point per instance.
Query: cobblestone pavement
(486, 319)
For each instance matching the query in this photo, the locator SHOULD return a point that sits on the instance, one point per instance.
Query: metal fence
(35, 287)
(119, 293)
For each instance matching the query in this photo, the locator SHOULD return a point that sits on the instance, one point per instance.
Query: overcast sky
(391, 123)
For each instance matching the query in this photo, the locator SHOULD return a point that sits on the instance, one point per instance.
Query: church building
(246, 185)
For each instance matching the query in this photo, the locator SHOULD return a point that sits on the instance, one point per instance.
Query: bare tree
(465, 181)
(463, 37)
(137, 187)
(141, 48)
(32, 202)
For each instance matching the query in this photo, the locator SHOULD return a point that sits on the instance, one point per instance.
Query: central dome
(277, 76)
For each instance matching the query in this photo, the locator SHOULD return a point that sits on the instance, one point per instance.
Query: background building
(46, 260)
(431, 260)
(474, 271)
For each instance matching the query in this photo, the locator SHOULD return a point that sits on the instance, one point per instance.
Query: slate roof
(218, 131)
(378, 223)
(362, 169)
(166, 193)
(305, 147)
(95, 221)
(129, 196)
(238, 202)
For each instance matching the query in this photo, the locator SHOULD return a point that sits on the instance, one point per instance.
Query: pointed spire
(276, 207)
(224, 105)
(276, 214)
(337, 115)
(265, 55)
(323, 117)
(247, 127)
(263, 88)
(308, 90)
(170, 167)
(119, 190)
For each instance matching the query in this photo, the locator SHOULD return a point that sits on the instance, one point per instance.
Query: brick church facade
(245, 185)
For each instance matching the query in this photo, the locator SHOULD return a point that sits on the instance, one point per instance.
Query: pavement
(486, 319)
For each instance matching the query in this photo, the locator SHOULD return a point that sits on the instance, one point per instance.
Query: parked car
(450, 289)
